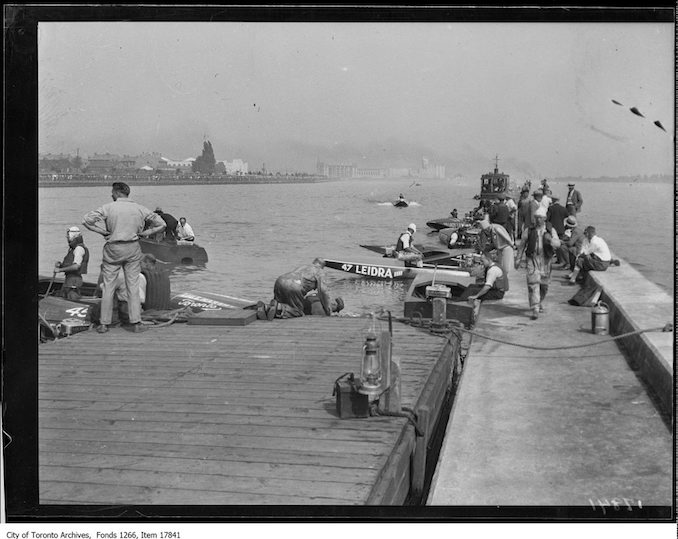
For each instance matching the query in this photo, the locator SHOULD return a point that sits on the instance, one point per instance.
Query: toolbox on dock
(223, 317)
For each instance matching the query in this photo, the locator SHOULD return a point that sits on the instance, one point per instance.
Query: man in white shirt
(595, 255)
(184, 230)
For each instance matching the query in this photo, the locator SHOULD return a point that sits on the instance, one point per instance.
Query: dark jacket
(532, 242)
(499, 213)
(575, 199)
(70, 255)
(556, 215)
(171, 222)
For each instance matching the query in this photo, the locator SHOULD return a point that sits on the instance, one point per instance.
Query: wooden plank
(201, 414)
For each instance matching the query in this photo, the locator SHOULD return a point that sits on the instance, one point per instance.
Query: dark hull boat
(174, 252)
(401, 204)
(424, 288)
(446, 222)
(431, 256)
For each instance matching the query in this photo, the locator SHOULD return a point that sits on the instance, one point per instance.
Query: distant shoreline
(135, 181)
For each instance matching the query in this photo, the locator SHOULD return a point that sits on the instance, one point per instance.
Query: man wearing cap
(539, 246)
(571, 244)
(574, 200)
(405, 249)
(595, 255)
(122, 222)
(494, 285)
(556, 215)
(291, 288)
(74, 264)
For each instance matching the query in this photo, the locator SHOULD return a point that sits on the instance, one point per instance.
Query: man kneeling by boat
(405, 249)
(494, 285)
(291, 288)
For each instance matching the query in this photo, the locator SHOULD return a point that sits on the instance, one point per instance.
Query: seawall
(636, 304)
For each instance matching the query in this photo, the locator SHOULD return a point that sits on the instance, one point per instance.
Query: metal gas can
(600, 318)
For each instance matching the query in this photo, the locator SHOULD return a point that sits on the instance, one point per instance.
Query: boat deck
(568, 426)
(221, 415)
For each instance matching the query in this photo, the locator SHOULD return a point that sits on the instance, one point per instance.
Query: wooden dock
(221, 415)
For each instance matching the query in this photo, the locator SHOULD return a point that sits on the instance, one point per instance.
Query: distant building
(336, 171)
(108, 163)
(234, 168)
(185, 165)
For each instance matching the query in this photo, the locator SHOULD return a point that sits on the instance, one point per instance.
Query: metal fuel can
(600, 318)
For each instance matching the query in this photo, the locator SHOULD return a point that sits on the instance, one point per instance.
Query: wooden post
(419, 458)
(390, 399)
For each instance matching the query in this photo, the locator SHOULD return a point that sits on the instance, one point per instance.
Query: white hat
(73, 232)
(412, 227)
(540, 212)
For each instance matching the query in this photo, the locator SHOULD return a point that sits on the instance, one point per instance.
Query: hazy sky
(538, 94)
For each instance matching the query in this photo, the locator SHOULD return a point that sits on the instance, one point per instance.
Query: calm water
(253, 233)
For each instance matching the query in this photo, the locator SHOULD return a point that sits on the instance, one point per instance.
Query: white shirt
(185, 231)
(493, 273)
(597, 246)
(78, 254)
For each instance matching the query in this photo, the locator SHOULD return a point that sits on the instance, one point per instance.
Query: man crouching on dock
(291, 288)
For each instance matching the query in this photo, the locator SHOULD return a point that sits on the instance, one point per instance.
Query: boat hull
(386, 272)
(445, 222)
(175, 253)
(400, 204)
(417, 305)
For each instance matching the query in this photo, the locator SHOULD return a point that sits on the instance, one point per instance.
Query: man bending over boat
(405, 249)
(291, 288)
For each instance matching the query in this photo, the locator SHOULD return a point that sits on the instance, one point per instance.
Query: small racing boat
(388, 272)
(431, 256)
(178, 252)
(401, 203)
(446, 222)
(424, 288)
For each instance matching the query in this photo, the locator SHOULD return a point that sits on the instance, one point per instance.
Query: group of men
(174, 230)
(548, 233)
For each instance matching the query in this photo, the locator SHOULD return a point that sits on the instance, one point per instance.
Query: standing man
(538, 246)
(291, 288)
(499, 213)
(184, 230)
(504, 245)
(170, 224)
(556, 215)
(122, 223)
(574, 200)
(405, 249)
(74, 264)
(524, 214)
(595, 255)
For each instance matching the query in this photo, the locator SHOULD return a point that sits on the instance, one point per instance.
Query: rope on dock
(585, 345)
(455, 331)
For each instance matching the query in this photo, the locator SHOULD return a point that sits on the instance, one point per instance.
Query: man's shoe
(261, 310)
(102, 328)
(535, 314)
(138, 328)
(541, 308)
(272, 310)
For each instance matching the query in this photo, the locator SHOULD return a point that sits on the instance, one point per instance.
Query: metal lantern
(370, 373)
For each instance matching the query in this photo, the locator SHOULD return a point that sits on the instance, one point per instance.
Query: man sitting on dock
(291, 288)
(595, 256)
(572, 241)
(494, 286)
(405, 249)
